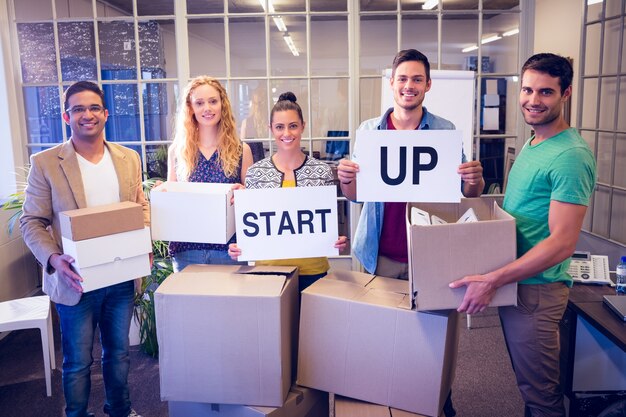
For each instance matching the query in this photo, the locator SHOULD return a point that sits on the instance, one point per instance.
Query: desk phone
(587, 268)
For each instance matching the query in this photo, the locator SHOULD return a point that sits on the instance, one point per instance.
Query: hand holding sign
(408, 165)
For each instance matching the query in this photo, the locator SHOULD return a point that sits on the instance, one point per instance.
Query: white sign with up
(408, 165)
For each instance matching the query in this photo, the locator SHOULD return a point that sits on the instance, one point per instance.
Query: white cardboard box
(301, 402)
(109, 260)
(192, 212)
(227, 334)
(442, 253)
(359, 340)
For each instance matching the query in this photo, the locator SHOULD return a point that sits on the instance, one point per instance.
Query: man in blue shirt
(380, 242)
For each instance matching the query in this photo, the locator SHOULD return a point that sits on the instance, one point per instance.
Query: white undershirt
(99, 180)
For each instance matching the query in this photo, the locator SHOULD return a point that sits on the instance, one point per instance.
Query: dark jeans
(110, 309)
(205, 257)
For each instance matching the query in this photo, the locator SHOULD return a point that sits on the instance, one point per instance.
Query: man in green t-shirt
(548, 192)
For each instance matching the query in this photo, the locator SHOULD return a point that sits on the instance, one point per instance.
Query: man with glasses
(85, 171)
(548, 191)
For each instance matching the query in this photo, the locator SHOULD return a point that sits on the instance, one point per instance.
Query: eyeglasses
(78, 110)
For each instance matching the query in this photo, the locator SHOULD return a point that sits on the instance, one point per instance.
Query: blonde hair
(187, 137)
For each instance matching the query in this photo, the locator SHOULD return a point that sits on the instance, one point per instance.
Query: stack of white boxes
(109, 243)
(366, 337)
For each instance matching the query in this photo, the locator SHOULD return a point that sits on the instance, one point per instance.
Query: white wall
(557, 30)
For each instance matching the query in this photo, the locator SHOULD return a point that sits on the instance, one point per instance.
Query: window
(602, 112)
(330, 54)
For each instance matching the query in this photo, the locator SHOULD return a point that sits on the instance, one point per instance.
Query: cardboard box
(192, 212)
(109, 260)
(442, 253)
(348, 407)
(91, 222)
(359, 340)
(227, 334)
(301, 402)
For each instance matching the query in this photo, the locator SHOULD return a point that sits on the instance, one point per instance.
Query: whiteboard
(451, 96)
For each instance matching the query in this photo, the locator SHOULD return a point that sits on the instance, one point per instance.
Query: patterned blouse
(208, 170)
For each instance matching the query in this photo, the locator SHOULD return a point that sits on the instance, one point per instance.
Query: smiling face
(540, 99)
(409, 85)
(206, 104)
(287, 130)
(84, 120)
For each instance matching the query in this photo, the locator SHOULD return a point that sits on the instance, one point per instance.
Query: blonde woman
(205, 149)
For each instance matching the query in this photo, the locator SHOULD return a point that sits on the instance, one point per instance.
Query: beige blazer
(55, 185)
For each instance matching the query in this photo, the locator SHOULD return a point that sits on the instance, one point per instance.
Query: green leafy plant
(144, 302)
(15, 201)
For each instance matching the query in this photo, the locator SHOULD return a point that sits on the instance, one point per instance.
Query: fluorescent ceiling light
(470, 49)
(511, 32)
(280, 23)
(490, 39)
(590, 2)
(269, 3)
(291, 45)
(430, 4)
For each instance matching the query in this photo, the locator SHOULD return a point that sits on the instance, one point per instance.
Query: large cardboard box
(442, 253)
(109, 260)
(192, 212)
(227, 334)
(301, 402)
(358, 339)
(348, 407)
(91, 222)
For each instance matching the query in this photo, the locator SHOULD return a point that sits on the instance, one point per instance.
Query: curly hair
(187, 137)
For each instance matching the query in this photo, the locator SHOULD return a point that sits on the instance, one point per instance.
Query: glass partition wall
(330, 53)
(602, 113)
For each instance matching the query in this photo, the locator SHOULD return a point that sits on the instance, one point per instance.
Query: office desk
(593, 351)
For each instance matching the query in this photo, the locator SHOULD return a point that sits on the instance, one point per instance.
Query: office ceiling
(166, 7)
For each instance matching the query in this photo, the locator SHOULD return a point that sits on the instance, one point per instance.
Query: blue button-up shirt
(367, 235)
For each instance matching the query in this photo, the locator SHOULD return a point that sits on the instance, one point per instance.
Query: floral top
(208, 170)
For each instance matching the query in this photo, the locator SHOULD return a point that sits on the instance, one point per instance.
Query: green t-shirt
(561, 168)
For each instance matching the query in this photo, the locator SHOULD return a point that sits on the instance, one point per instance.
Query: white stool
(30, 313)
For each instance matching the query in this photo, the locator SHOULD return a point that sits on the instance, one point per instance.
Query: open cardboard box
(227, 334)
(301, 402)
(109, 260)
(442, 253)
(359, 339)
(192, 212)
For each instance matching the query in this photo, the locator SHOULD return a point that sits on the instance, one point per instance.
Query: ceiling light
(290, 44)
(430, 4)
(511, 32)
(470, 49)
(490, 39)
(280, 23)
(269, 3)
(590, 2)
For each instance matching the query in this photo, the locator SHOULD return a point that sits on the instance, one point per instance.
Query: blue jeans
(111, 309)
(206, 257)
